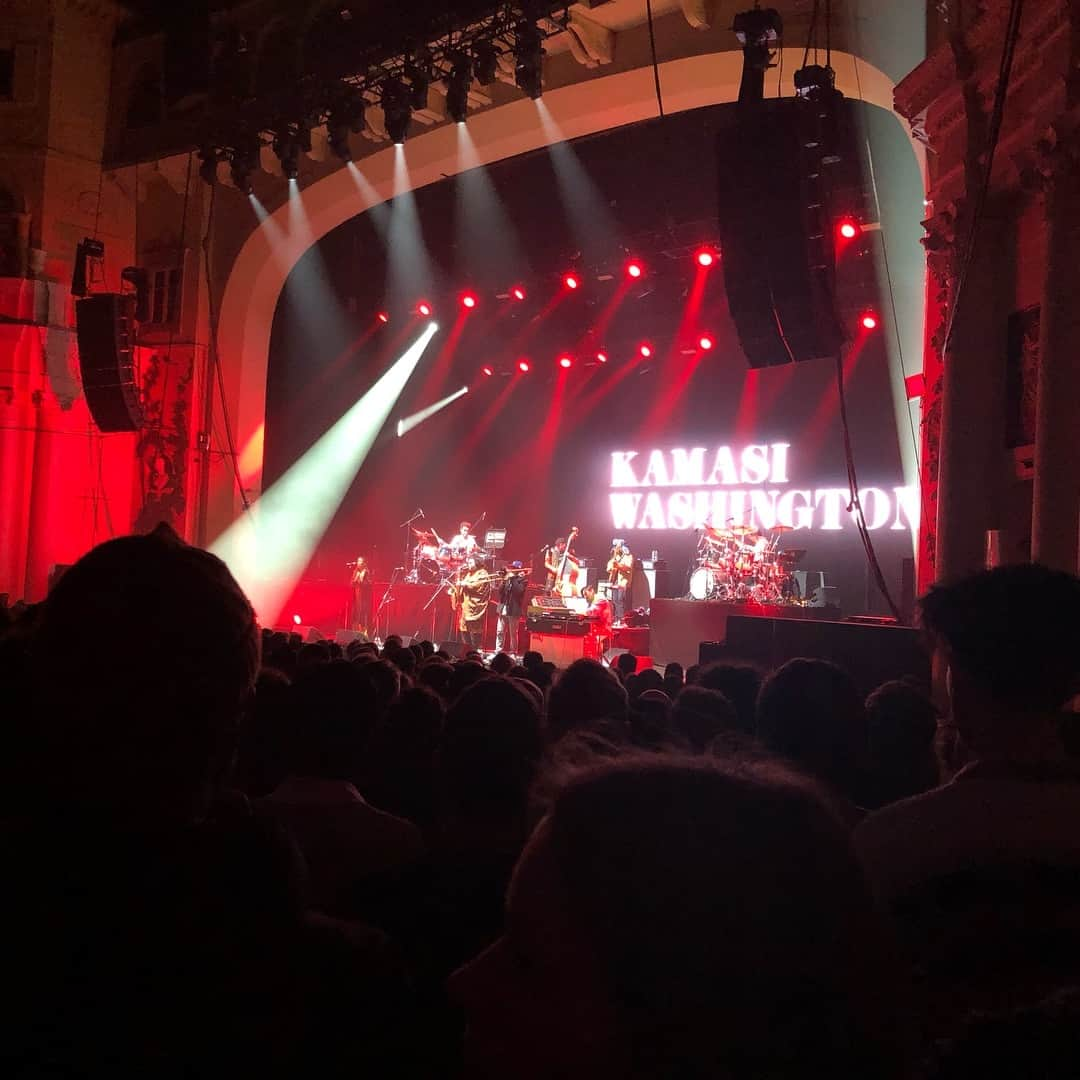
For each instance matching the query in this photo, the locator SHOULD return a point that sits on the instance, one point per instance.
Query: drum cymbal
(742, 530)
(423, 534)
(782, 528)
(717, 534)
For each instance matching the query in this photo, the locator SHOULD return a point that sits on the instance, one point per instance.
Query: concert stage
(678, 627)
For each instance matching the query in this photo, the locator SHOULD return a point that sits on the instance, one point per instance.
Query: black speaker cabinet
(778, 257)
(106, 331)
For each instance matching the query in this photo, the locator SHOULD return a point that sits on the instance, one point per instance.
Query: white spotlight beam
(406, 425)
(268, 547)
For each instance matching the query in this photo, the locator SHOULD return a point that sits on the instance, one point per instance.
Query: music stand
(495, 539)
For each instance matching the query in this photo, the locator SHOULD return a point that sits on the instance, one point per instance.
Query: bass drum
(702, 583)
(427, 572)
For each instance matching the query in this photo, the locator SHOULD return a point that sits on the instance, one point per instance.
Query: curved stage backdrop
(656, 425)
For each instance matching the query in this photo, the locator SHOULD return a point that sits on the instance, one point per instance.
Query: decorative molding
(590, 43)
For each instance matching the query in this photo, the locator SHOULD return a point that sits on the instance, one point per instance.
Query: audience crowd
(231, 851)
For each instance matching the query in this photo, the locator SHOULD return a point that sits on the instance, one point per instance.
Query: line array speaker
(776, 234)
(105, 325)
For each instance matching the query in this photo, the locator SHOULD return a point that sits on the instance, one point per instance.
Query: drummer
(462, 543)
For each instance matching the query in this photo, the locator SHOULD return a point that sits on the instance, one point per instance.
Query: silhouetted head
(1010, 638)
(673, 918)
(144, 659)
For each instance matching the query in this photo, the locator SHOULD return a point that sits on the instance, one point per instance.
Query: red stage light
(869, 321)
(705, 342)
(705, 257)
(565, 362)
(423, 308)
(645, 349)
(296, 619)
(848, 229)
(634, 268)
(523, 365)
(487, 370)
(570, 281)
(601, 357)
(468, 300)
(383, 317)
(517, 292)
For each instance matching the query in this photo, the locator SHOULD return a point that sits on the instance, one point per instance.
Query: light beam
(268, 548)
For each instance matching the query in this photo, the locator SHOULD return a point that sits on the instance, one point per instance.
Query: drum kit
(433, 563)
(738, 563)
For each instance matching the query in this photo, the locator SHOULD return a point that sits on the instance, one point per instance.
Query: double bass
(568, 574)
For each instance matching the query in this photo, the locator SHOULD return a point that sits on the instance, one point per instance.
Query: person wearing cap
(511, 608)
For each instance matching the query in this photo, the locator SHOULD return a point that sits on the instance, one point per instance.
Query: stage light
(517, 292)
(423, 308)
(383, 317)
(487, 370)
(705, 342)
(457, 88)
(468, 300)
(869, 321)
(601, 357)
(419, 76)
(645, 350)
(848, 228)
(344, 119)
(485, 62)
(634, 269)
(396, 110)
(243, 161)
(523, 365)
(287, 146)
(297, 620)
(208, 158)
(705, 257)
(268, 547)
(570, 281)
(566, 362)
(528, 60)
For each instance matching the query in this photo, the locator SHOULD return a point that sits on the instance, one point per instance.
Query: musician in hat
(511, 607)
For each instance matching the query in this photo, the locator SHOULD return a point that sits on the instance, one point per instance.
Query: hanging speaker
(775, 234)
(105, 325)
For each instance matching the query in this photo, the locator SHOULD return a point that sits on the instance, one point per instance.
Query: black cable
(855, 505)
(215, 360)
(1012, 32)
(652, 49)
(811, 33)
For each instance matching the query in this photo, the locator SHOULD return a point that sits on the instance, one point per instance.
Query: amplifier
(548, 622)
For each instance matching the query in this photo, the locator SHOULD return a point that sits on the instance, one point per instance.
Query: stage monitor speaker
(643, 662)
(308, 634)
(347, 637)
(105, 325)
(776, 234)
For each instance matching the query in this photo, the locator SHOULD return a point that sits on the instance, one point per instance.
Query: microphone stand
(405, 525)
(387, 598)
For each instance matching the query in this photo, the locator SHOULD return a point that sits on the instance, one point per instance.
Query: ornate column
(1055, 520)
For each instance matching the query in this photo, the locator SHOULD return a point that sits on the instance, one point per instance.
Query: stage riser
(871, 654)
(677, 627)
